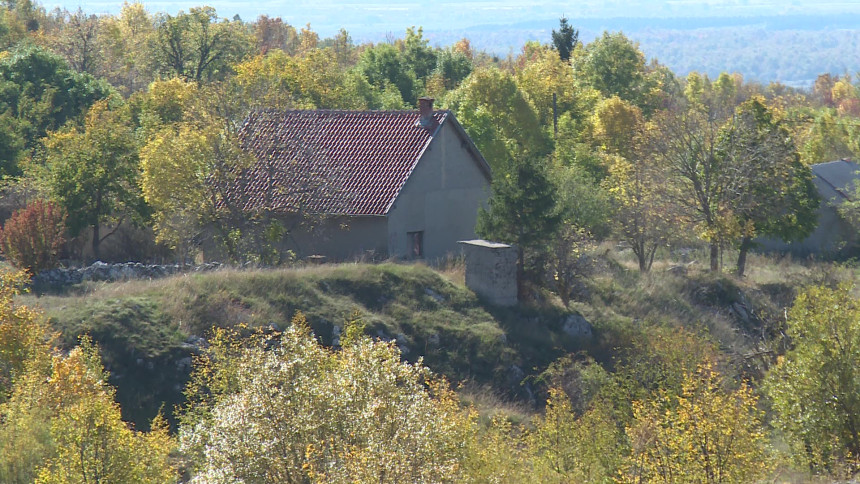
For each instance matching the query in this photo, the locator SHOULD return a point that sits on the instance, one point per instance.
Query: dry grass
(489, 403)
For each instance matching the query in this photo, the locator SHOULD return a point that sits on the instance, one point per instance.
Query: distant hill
(765, 40)
(793, 50)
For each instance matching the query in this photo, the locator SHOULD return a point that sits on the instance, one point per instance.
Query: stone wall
(100, 271)
(491, 271)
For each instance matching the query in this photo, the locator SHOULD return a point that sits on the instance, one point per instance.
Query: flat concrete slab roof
(485, 243)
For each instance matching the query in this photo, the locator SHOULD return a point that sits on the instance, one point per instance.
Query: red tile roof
(333, 162)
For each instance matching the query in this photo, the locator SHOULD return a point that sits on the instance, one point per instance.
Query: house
(405, 184)
(837, 182)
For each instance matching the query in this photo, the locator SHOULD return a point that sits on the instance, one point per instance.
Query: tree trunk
(746, 244)
(521, 271)
(715, 257)
(96, 241)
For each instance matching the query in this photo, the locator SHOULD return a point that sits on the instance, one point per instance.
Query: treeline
(133, 120)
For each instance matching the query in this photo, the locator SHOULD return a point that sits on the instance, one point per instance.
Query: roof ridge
(350, 111)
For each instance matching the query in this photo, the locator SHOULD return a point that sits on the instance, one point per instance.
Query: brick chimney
(425, 109)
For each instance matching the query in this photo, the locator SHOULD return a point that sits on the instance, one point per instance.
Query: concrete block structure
(491, 270)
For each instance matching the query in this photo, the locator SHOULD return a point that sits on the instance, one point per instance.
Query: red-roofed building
(396, 183)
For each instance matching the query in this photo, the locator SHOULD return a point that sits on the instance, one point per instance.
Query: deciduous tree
(197, 45)
(705, 434)
(358, 414)
(499, 118)
(772, 193)
(93, 173)
(39, 93)
(815, 387)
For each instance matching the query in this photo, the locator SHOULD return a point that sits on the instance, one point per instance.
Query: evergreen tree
(522, 211)
(564, 39)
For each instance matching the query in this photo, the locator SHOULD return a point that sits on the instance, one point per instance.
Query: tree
(174, 170)
(39, 93)
(26, 343)
(582, 202)
(274, 33)
(125, 53)
(567, 447)
(313, 80)
(453, 66)
(615, 66)
(93, 173)
(196, 45)
(644, 214)
(549, 85)
(617, 123)
(521, 211)
(564, 39)
(684, 142)
(58, 420)
(705, 434)
(772, 193)
(92, 443)
(79, 40)
(24, 336)
(359, 414)
(418, 56)
(815, 386)
(569, 261)
(383, 66)
(499, 118)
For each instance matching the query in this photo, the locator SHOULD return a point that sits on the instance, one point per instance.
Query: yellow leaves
(169, 101)
(348, 415)
(543, 74)
(616, 124)
(90, 436)
(174, 166)
(704, 434)
(314, 79)
(25, 338)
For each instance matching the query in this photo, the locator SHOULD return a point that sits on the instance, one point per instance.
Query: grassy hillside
(148, 330)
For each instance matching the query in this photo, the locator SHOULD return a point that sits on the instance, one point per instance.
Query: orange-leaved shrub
(33, 236)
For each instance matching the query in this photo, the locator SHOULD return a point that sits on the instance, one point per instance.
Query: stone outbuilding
(404, 184)
(491, 270)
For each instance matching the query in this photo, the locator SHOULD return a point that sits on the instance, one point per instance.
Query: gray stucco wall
(491, 271)
(344, 238)
(440, 198)
(831, 235)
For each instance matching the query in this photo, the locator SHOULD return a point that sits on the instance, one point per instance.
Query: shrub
(32, 236)
(282, 408)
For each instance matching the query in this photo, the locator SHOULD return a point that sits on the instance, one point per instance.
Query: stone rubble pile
(101, 271)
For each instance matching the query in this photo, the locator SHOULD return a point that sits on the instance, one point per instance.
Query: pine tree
(522, 211)
(564, 39)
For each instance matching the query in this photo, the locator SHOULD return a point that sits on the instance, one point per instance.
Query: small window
(416, 244)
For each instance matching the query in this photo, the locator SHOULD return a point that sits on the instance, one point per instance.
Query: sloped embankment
(148, 330)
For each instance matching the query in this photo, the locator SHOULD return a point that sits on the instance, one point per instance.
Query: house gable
(440, 199)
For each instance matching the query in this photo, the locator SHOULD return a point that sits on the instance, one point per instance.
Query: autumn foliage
(32, 238)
